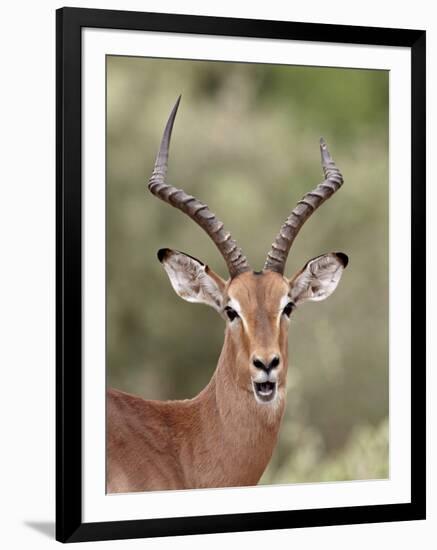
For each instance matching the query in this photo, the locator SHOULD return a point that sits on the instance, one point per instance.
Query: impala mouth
(264, 391)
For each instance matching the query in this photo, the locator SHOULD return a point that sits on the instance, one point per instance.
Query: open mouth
(265, 391)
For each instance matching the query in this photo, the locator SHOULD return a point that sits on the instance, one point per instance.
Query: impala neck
(239, 432)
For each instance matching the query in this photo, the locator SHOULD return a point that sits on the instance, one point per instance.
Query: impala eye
(231, 313)
(288, 309)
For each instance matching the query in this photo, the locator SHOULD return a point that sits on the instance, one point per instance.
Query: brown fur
(223, 437)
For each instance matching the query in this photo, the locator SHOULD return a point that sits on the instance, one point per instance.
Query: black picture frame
(69, 24)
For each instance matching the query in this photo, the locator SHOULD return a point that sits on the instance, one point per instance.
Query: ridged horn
(196, 210)
(277, 256)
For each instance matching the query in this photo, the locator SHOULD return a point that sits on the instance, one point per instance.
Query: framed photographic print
(240, 248)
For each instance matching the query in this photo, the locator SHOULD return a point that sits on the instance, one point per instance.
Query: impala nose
(266, 366)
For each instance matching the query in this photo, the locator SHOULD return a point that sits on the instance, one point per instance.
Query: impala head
(256, 305)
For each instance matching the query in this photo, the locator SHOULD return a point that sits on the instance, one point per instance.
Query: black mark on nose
(260, 365)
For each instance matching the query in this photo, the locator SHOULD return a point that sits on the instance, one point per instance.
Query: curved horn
(277, 256)
(196, 210)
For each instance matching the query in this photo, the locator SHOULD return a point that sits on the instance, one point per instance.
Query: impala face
(256, 307)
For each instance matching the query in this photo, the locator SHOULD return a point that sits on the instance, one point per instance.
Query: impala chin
(265, 392)
(265, 387)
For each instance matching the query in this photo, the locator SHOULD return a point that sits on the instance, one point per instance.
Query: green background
(246, 142)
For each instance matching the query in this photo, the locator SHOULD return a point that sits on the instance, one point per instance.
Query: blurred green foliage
(246, 143)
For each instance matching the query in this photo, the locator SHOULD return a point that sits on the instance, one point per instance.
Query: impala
(225, 436)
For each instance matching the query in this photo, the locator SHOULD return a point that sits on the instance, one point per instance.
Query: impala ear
(191, 279)
(319, 278)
